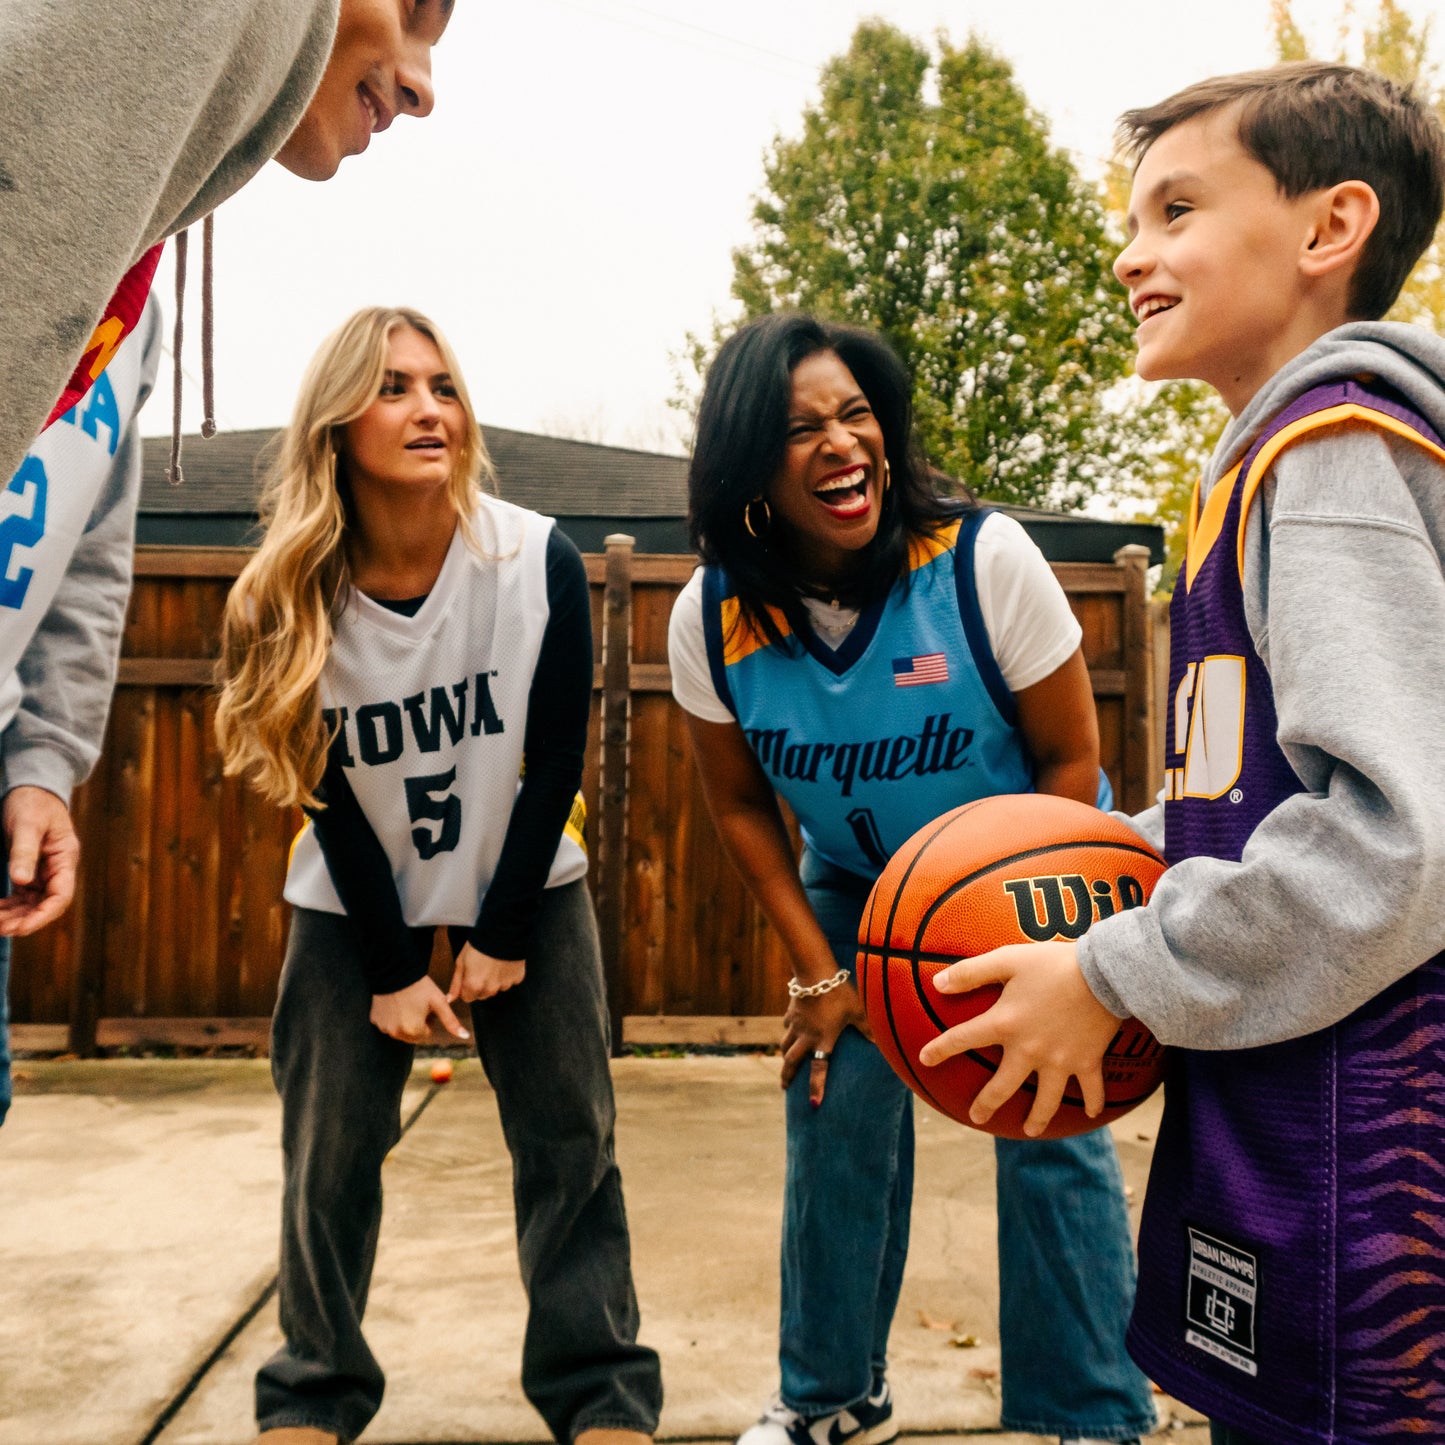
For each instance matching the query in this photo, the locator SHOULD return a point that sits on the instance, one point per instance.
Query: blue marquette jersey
(908, 718)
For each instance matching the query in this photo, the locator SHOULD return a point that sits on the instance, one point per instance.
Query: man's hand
(479, 976)
(44, 854)
(406, 1014)
(1046, 1020)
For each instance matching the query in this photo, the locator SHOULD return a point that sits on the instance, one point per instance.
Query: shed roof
(548, 474)
(591, 489)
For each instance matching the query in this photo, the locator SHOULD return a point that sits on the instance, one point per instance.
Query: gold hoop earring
(748, 518)
(887, 475)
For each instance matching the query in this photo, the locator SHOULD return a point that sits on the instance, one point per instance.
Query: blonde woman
(398, 646)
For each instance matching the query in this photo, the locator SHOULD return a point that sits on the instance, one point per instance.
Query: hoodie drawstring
(208, 327)
(174, 475)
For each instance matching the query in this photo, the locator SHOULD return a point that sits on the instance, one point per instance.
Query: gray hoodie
(121, 123)
(60, 637)
(1341, 890)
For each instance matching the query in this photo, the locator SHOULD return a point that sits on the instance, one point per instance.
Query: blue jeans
(4, 1028)
(1066, 1266)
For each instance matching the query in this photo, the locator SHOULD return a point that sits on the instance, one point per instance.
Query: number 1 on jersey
(867, 836)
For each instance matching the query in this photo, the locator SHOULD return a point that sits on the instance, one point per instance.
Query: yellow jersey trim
(1205, 525)
(741, 636)
(923, 550)
(1333, 416)
(577, 823)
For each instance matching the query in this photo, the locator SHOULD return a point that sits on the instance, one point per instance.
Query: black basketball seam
(886, 950)
(861, 971)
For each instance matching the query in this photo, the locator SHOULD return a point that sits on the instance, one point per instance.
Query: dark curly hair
(742, 427)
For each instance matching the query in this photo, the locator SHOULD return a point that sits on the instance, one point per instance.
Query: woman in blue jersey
(876, 654)
(399, 644)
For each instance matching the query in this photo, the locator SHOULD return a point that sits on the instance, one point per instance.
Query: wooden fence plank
(40, 1038)
(752, 1029)
(654, 1030)
(165, 672)
(159, 561)
(1138, 661)
(191, 1033)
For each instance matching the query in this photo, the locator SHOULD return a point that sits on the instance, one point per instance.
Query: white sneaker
(869, 1422)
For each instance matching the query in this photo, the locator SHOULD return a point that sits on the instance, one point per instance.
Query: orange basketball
(1014, 869)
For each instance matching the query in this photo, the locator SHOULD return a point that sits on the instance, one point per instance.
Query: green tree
(1398, 46)
(923, 197)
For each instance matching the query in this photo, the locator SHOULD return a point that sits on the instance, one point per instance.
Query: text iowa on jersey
(379, 729)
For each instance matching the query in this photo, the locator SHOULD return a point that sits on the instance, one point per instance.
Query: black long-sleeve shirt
(558, 712)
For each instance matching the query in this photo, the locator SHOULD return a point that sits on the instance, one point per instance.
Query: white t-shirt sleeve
(692, 683)
(1025, 612)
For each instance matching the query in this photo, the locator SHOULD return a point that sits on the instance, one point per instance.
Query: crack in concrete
(177, 1402)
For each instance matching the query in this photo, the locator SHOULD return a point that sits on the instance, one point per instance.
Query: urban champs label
(1223, 1295)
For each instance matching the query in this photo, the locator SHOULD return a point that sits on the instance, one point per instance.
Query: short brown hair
(1313, 124)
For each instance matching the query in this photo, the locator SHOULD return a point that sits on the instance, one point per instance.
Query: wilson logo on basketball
(1065, 905)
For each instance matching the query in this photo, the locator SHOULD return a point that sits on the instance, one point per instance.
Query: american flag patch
(915, 671)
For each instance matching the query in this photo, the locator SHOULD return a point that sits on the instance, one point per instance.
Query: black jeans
(545, 1050)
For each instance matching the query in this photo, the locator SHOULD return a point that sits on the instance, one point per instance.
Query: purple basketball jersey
(1292, 1248)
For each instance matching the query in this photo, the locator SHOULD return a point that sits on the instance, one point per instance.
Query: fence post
(1138, 678)
(612, 782)
(1159, 696)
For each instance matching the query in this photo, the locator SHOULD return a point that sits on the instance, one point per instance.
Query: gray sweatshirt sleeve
(121, 122)
(1338, 891)
(67, 672)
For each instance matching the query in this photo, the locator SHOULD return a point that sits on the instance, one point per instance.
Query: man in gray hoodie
(122, 123)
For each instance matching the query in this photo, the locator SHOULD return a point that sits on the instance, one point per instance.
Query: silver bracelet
(814, 990)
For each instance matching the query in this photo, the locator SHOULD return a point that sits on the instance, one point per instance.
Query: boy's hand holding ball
(1047, 1021)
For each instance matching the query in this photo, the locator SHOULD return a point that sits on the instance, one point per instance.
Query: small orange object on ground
(441, 1071)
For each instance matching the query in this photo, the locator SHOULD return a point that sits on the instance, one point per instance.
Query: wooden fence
(178, 928)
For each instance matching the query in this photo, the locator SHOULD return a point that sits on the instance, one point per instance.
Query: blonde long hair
(279, 618)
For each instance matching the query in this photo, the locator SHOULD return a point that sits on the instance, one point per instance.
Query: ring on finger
(821, 1056)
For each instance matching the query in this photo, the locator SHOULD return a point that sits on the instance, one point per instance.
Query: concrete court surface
(138, 1218)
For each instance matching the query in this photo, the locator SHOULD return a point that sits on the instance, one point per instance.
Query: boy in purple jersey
(1292, 1250)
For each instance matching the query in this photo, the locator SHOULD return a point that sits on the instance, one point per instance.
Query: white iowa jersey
(432, 711)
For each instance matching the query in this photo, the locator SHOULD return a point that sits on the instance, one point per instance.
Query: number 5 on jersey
(423, 806)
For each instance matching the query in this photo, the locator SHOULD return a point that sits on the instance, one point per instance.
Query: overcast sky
(567, 213)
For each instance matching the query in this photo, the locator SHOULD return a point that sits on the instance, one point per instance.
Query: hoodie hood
(121, 123)
(258, 99)
(1409, 358)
